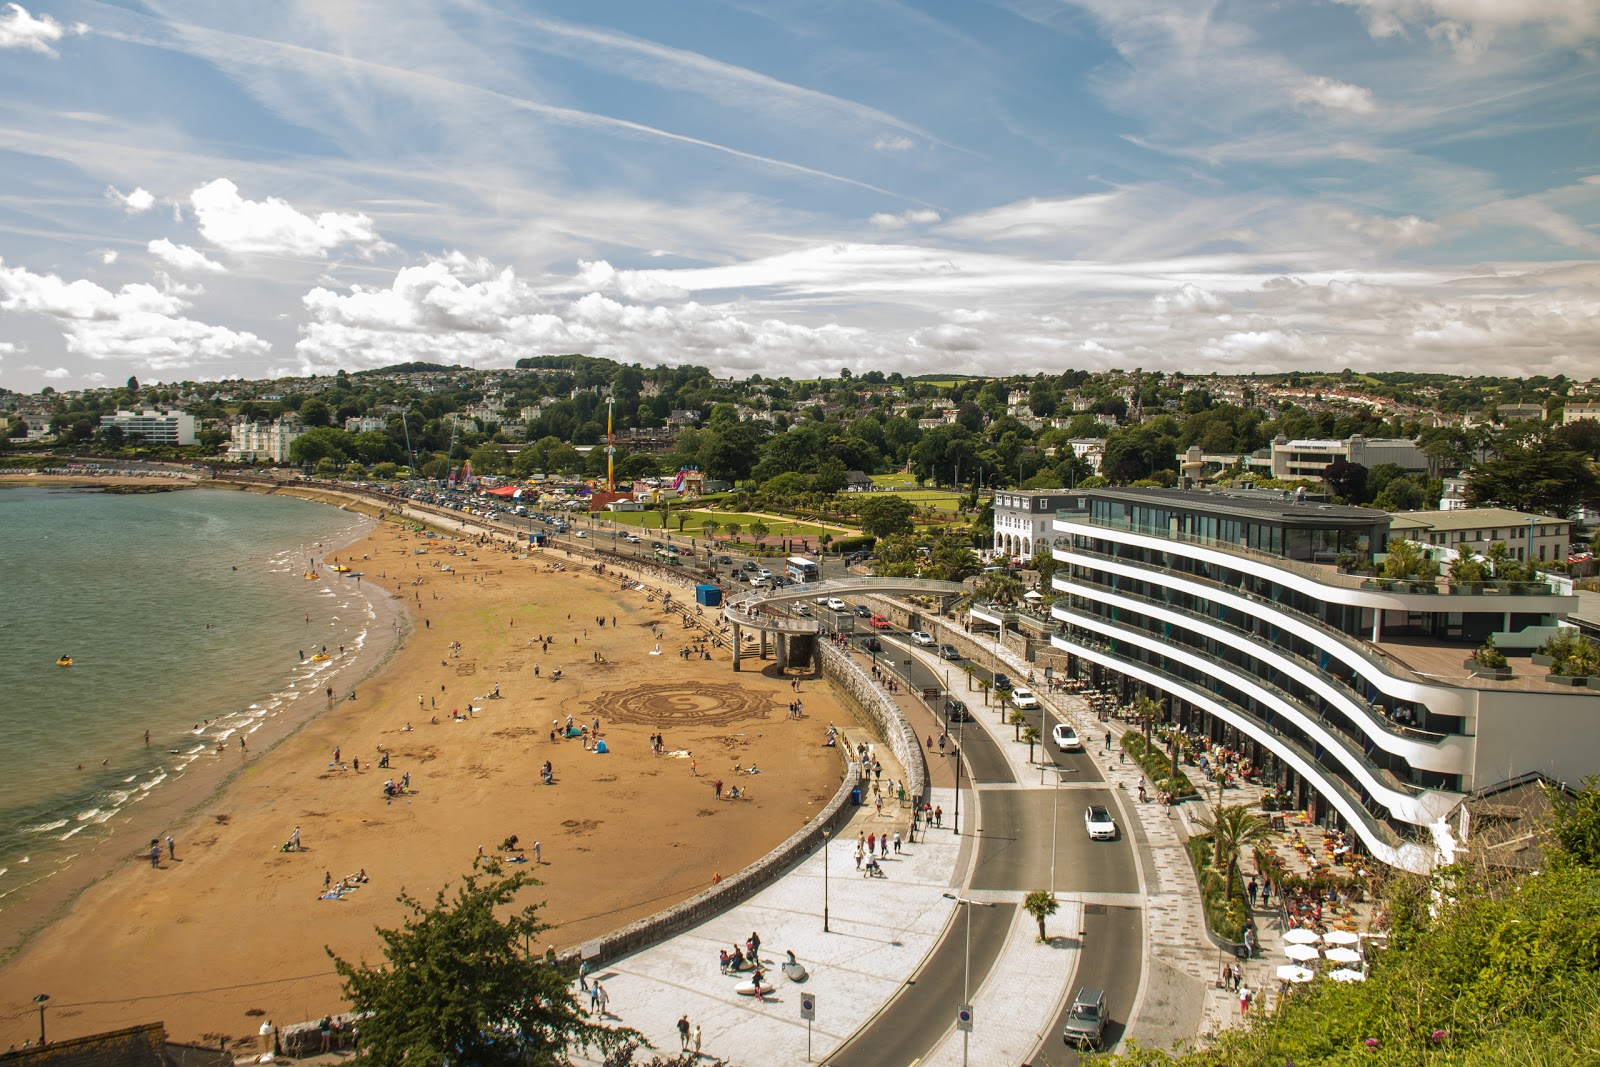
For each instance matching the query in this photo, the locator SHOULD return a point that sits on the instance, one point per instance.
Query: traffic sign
(808, 1006)
(964, 1018)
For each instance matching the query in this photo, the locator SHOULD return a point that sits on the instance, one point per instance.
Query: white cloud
(137, 322)
(10, 348)
(107, 256)
(948, 338)
(273, 226)
(1407, 231)
(1189, 299)
(182, 257)
(912, 217)
(56, 374)
(1333, 95)
(135, 203)
(1035, 220)
(1469, 26)
(18, 29)
(894, 142)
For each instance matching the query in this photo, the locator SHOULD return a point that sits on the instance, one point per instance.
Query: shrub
(846, 545)
(1571, 654)
(1156, 766)
(1226, 918)
(1489, 657)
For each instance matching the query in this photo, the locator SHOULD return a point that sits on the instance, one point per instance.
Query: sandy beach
(234, 925)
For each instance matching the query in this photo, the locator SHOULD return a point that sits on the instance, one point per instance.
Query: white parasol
(1292, 973)
(1343, 955)
(1340, 937)
(1301, 953)
(1298, 936)
(1347, 976)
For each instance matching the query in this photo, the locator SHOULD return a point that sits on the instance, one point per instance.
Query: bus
(802, 569)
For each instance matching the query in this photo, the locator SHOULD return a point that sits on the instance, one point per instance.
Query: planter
(1542, 660)
(1499, 674)
(1576, 681)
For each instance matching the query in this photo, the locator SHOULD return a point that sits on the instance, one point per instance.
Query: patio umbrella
(1291, 973)
(1033, 594)
(1340, 937)
(1343, 955)
(1347, 976)
(1298, 936)
(1301, 953)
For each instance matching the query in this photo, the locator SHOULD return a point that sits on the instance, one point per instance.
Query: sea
(184, 613)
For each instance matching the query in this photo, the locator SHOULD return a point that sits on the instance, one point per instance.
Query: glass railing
(1329, 778)
(1326, 573)
(1387, 777)
(1382, 722)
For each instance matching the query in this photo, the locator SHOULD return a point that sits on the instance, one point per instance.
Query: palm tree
(1232, 830)
(1001, 587)
(1041, 904)
(1018, 720)
(1030, 734)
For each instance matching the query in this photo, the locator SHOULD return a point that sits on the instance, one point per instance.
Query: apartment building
(152, 426)
(1473, 530)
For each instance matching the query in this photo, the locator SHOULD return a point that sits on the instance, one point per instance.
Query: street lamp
(966, 967)
(42, 999)
(825, 881)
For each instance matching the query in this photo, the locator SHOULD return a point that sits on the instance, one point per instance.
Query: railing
(1326, 574)
(1339, 741)
(1429, 736)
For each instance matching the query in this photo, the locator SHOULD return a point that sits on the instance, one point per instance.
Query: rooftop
(1467, 519)
(1248, 504)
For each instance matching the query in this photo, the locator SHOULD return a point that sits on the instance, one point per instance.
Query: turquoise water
(177, 608)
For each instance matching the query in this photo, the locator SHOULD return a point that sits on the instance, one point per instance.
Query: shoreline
(603, 899)
(172, 807)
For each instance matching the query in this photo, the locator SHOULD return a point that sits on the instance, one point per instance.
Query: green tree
(710, 528)
(759, 530)
(315, 412)
(1233, 830)
(1575, 822)
(1041, 904)
(1018, 719)
(459, 984)
(887, 514)
(385, 471)
(1540, 475)
(1002, 587)
(1030, 734)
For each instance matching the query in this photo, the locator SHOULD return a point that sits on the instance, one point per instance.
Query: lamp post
(42, 999)
(955, 819)
(966, 966)
(825, 881)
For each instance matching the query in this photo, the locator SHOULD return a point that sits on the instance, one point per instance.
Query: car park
(1001, 683)
(922, 637)
(878, 622)
(1066, 738)
(949, 652)
(1098, 822)
(1024, 698)
(956, 711)
(1086, 1019)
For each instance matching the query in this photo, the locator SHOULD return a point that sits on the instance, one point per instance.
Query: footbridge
(794, 636)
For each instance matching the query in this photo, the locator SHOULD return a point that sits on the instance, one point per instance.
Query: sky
(207, 189)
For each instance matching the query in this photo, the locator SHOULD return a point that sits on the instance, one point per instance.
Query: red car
(878, 622)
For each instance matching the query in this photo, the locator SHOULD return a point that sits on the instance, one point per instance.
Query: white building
(1023, 518)
(154, 427)
(252, 442)
(1577, 410)
(1308, 459)
(365, 424)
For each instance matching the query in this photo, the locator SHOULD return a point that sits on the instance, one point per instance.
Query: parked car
(956, 711)
(949, 652)
(833, 603)
(1024, 698)
(922, 637)
(1001, 683)
(1066, 738)
(1098, 821)
(1086, 1019)
(878, 622)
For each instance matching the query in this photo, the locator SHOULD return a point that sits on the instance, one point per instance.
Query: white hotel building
(1348, 691)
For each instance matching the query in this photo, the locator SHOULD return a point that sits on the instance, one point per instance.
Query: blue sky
(207, 189)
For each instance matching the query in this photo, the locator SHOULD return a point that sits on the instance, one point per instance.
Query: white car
(1024, 698)
(835, 604)
(921, 637)
(581, 533)
(1066, 738)
(1098, 821)
(632, 539)
(760, 580)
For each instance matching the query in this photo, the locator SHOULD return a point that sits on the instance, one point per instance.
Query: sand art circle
(705, 704)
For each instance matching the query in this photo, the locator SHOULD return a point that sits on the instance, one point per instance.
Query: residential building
(1347, 693)
(152, 426)
(1089, 449)
(1577, 410)
(264, 442)
(38, 427)
(1308, 459)
(1023, 519)
(1473, 530)
(1519, 412)
(365, 424)
(1454, 497)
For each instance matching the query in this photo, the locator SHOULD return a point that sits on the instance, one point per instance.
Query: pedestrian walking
(697, 1040)
(172, 849)
(938, 815)
(583, 975)
(897, 842)
(883, 845)
(603, 999)
(858, 855)
(155, 853)
(1252, 889)
(683, 1032)
(594, 996)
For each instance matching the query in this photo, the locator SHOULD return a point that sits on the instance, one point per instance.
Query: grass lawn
(694, 523)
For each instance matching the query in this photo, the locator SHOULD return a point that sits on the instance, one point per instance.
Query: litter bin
(855, 797)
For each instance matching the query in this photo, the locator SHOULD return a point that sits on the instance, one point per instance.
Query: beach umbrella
(1340, 937)
(1347, 976)
(1298, 936)
(1291, 973)
(1301, 953)
(1033, 594)
(1343, 955)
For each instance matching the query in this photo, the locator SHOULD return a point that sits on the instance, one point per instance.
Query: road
(1013, 855)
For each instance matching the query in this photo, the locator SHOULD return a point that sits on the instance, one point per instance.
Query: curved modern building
(1350, 692)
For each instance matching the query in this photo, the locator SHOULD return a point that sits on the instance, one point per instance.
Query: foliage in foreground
(1485, 968)
(459, 983)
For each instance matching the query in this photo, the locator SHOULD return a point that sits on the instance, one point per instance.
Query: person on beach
(172, 849)
(155, 853)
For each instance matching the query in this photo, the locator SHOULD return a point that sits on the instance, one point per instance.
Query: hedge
(1156, 766)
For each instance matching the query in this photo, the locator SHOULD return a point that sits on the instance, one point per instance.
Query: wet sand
(235, 925)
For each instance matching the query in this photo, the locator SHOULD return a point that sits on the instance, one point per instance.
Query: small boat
(320, 657)
(64, 661)
(341, 569)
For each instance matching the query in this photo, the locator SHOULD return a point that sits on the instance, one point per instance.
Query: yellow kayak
(320, 657)
(64, 661)
(341, 569)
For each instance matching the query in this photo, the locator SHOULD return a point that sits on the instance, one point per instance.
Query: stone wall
(882, 714)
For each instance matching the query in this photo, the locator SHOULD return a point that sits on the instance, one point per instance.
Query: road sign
(808, 1006)
(964, 1018)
